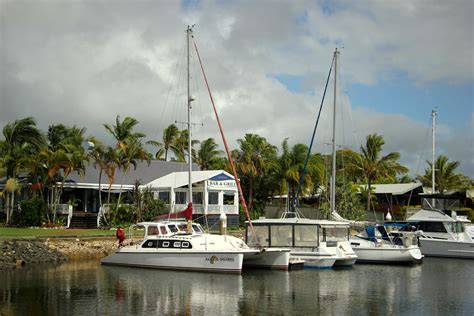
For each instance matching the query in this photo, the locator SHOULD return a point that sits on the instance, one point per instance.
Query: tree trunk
(250, 193)
(369, 188)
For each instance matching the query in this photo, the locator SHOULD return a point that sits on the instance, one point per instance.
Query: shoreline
(20, 251)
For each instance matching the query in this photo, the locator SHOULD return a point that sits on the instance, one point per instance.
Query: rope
(237, 181)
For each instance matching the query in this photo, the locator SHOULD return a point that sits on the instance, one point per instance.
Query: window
(150, 244)
(163, 230)
(185, 244)
(433, 227)
(334, 234)
(197, 229)
(180, 197)
(281, 235)
(164, 196)
(213, 198)
(261, 233)
(197, 197)
(166, 244)
(306, 236)
(177, 244)
(228, 198)
(173, 228)
(152, 230)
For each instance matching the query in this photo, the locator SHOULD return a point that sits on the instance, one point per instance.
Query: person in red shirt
(120, 234)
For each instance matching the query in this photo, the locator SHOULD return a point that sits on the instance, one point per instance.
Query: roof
(394, 189)
(144, 173)
(179, 179)
(300, 221)
(429, 216)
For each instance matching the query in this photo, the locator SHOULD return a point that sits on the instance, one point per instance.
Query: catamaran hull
(272, 258)
(388, 255)
(189, 261)
(446, 248)
(313, 260)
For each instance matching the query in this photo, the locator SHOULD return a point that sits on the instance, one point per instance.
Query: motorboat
(319, 243)
(443, 235)
(178, 245)
(379, 244)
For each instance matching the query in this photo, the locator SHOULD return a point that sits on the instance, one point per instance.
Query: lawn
(40, 232)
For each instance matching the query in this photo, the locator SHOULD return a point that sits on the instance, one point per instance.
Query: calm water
(437, 287)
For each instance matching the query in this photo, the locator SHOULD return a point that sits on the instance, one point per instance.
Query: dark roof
(144, 172)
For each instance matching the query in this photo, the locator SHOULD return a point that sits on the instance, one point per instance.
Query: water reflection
(146, 290)
(438, 286)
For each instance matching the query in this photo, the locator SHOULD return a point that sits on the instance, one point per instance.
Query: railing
(65, 209)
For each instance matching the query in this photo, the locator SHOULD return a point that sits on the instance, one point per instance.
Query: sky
(85, 62)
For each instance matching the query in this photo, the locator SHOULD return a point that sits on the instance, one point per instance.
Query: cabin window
(173, 228)
(152, 230)
(228, 198)
(262, 236)
(177, 244)
(197, 229)
(281, 235)
(150, 244)
(213, 198)
(433, 227)
(180, 197)
(163, 230)
(197, 197)
(164, 196)
(306, 236)
(336, 233)
(185, 244)
(166, 244)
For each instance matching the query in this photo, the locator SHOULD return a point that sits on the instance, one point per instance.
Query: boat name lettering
(213, 259)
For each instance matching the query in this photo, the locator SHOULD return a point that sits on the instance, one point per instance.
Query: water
(437, 287)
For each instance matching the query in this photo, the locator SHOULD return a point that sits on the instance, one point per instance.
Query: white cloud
(85, 62)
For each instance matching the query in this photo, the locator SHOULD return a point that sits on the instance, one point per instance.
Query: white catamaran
(179, 245)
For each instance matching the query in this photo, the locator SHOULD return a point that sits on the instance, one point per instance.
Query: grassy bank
(7, 232)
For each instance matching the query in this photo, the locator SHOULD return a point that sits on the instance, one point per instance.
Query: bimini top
(297, 221)
(430, 216)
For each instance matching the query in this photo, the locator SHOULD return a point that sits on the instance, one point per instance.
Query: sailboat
(178, 245)
(319, 243)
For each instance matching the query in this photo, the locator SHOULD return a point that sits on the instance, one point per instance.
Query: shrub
(31, 213)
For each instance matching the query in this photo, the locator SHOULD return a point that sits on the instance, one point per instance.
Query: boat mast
(433, 167)
(333, 176)
(189, 32)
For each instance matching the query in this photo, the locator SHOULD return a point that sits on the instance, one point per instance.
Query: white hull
(446, 248)
(273, 258)
(384, 252)
(229, 262)
(313, 260)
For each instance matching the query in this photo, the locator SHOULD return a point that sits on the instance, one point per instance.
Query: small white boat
(319, 243)
(376, 245)
(168, 245)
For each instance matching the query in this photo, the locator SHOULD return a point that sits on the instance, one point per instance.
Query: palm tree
(122, 131)
(22, 139)
(253, 161)
(207, 154)
(446, 177)
(372, 166)
(170, 134)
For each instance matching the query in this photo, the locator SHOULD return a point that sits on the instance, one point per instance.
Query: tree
(22, 139)
(445, 176)
(208, 154)
(122, 131)
(255, 158)
(370, 164)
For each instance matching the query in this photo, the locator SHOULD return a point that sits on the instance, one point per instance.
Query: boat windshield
(197, 229)
(173, 228)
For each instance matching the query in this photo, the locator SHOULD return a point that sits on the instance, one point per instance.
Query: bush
(31, 213)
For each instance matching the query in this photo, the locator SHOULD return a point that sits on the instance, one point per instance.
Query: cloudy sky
(85, 62)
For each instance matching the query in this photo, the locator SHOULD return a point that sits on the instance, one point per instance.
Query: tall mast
(189, 32)
(333, 176)
(433, 167)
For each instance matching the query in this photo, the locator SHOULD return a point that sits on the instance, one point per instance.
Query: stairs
(83, 220)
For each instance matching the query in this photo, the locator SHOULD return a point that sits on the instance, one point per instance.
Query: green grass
(40, 232)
